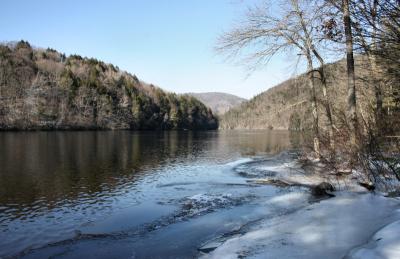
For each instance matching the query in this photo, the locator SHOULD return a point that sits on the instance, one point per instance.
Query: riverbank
(354, 224)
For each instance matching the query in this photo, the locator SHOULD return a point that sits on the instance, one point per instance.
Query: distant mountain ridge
(218, 102)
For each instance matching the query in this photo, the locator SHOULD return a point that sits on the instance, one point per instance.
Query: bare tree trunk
(371, 53)
(375, 70)
(310, 48)
(327, 103)
(351, 85)
(378, 90)
(314, 108)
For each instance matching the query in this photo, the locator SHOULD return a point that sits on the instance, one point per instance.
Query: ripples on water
(53, 185)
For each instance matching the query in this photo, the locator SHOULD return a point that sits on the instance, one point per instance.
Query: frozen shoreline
(354, 224)
(231, 210)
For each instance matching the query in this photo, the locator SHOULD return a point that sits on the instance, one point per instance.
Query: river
(123, 194)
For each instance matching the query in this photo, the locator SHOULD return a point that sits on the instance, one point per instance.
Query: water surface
(123, 194)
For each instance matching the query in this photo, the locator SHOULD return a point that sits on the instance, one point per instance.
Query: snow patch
(328, 229)
(384, 244)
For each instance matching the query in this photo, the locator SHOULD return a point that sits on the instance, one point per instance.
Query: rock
(188, 206)
(369, 186)
(323, 189)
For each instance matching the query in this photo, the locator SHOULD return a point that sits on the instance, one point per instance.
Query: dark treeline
(44, 89)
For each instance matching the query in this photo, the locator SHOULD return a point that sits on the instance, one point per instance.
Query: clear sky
(166, 42)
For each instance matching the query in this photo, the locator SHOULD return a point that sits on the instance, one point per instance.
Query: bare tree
(351, 82)
(309, 25)
(365, 22)
(377, 35)
(266, 32)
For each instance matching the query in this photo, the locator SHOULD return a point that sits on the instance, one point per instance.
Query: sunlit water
(128, 194)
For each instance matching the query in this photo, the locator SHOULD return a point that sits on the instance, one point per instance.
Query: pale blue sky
(166, 42)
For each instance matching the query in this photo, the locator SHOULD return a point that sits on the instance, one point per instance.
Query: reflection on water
(69, 178)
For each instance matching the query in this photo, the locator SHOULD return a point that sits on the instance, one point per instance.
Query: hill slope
(219, 102)
(287, 106)
(44, 89)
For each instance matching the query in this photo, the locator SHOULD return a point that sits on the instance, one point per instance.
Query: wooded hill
(287, 106)
(44, 89)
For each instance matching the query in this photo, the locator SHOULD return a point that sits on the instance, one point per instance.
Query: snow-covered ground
(384, 244)
(327, 229)
(354, 224)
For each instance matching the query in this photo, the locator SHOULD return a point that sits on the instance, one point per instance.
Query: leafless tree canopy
(268, 29)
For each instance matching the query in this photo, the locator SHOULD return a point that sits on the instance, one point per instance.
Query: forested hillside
(44, 89)
(287, 105)
(219, 102)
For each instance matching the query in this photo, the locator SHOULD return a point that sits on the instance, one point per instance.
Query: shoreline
(355, 223)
